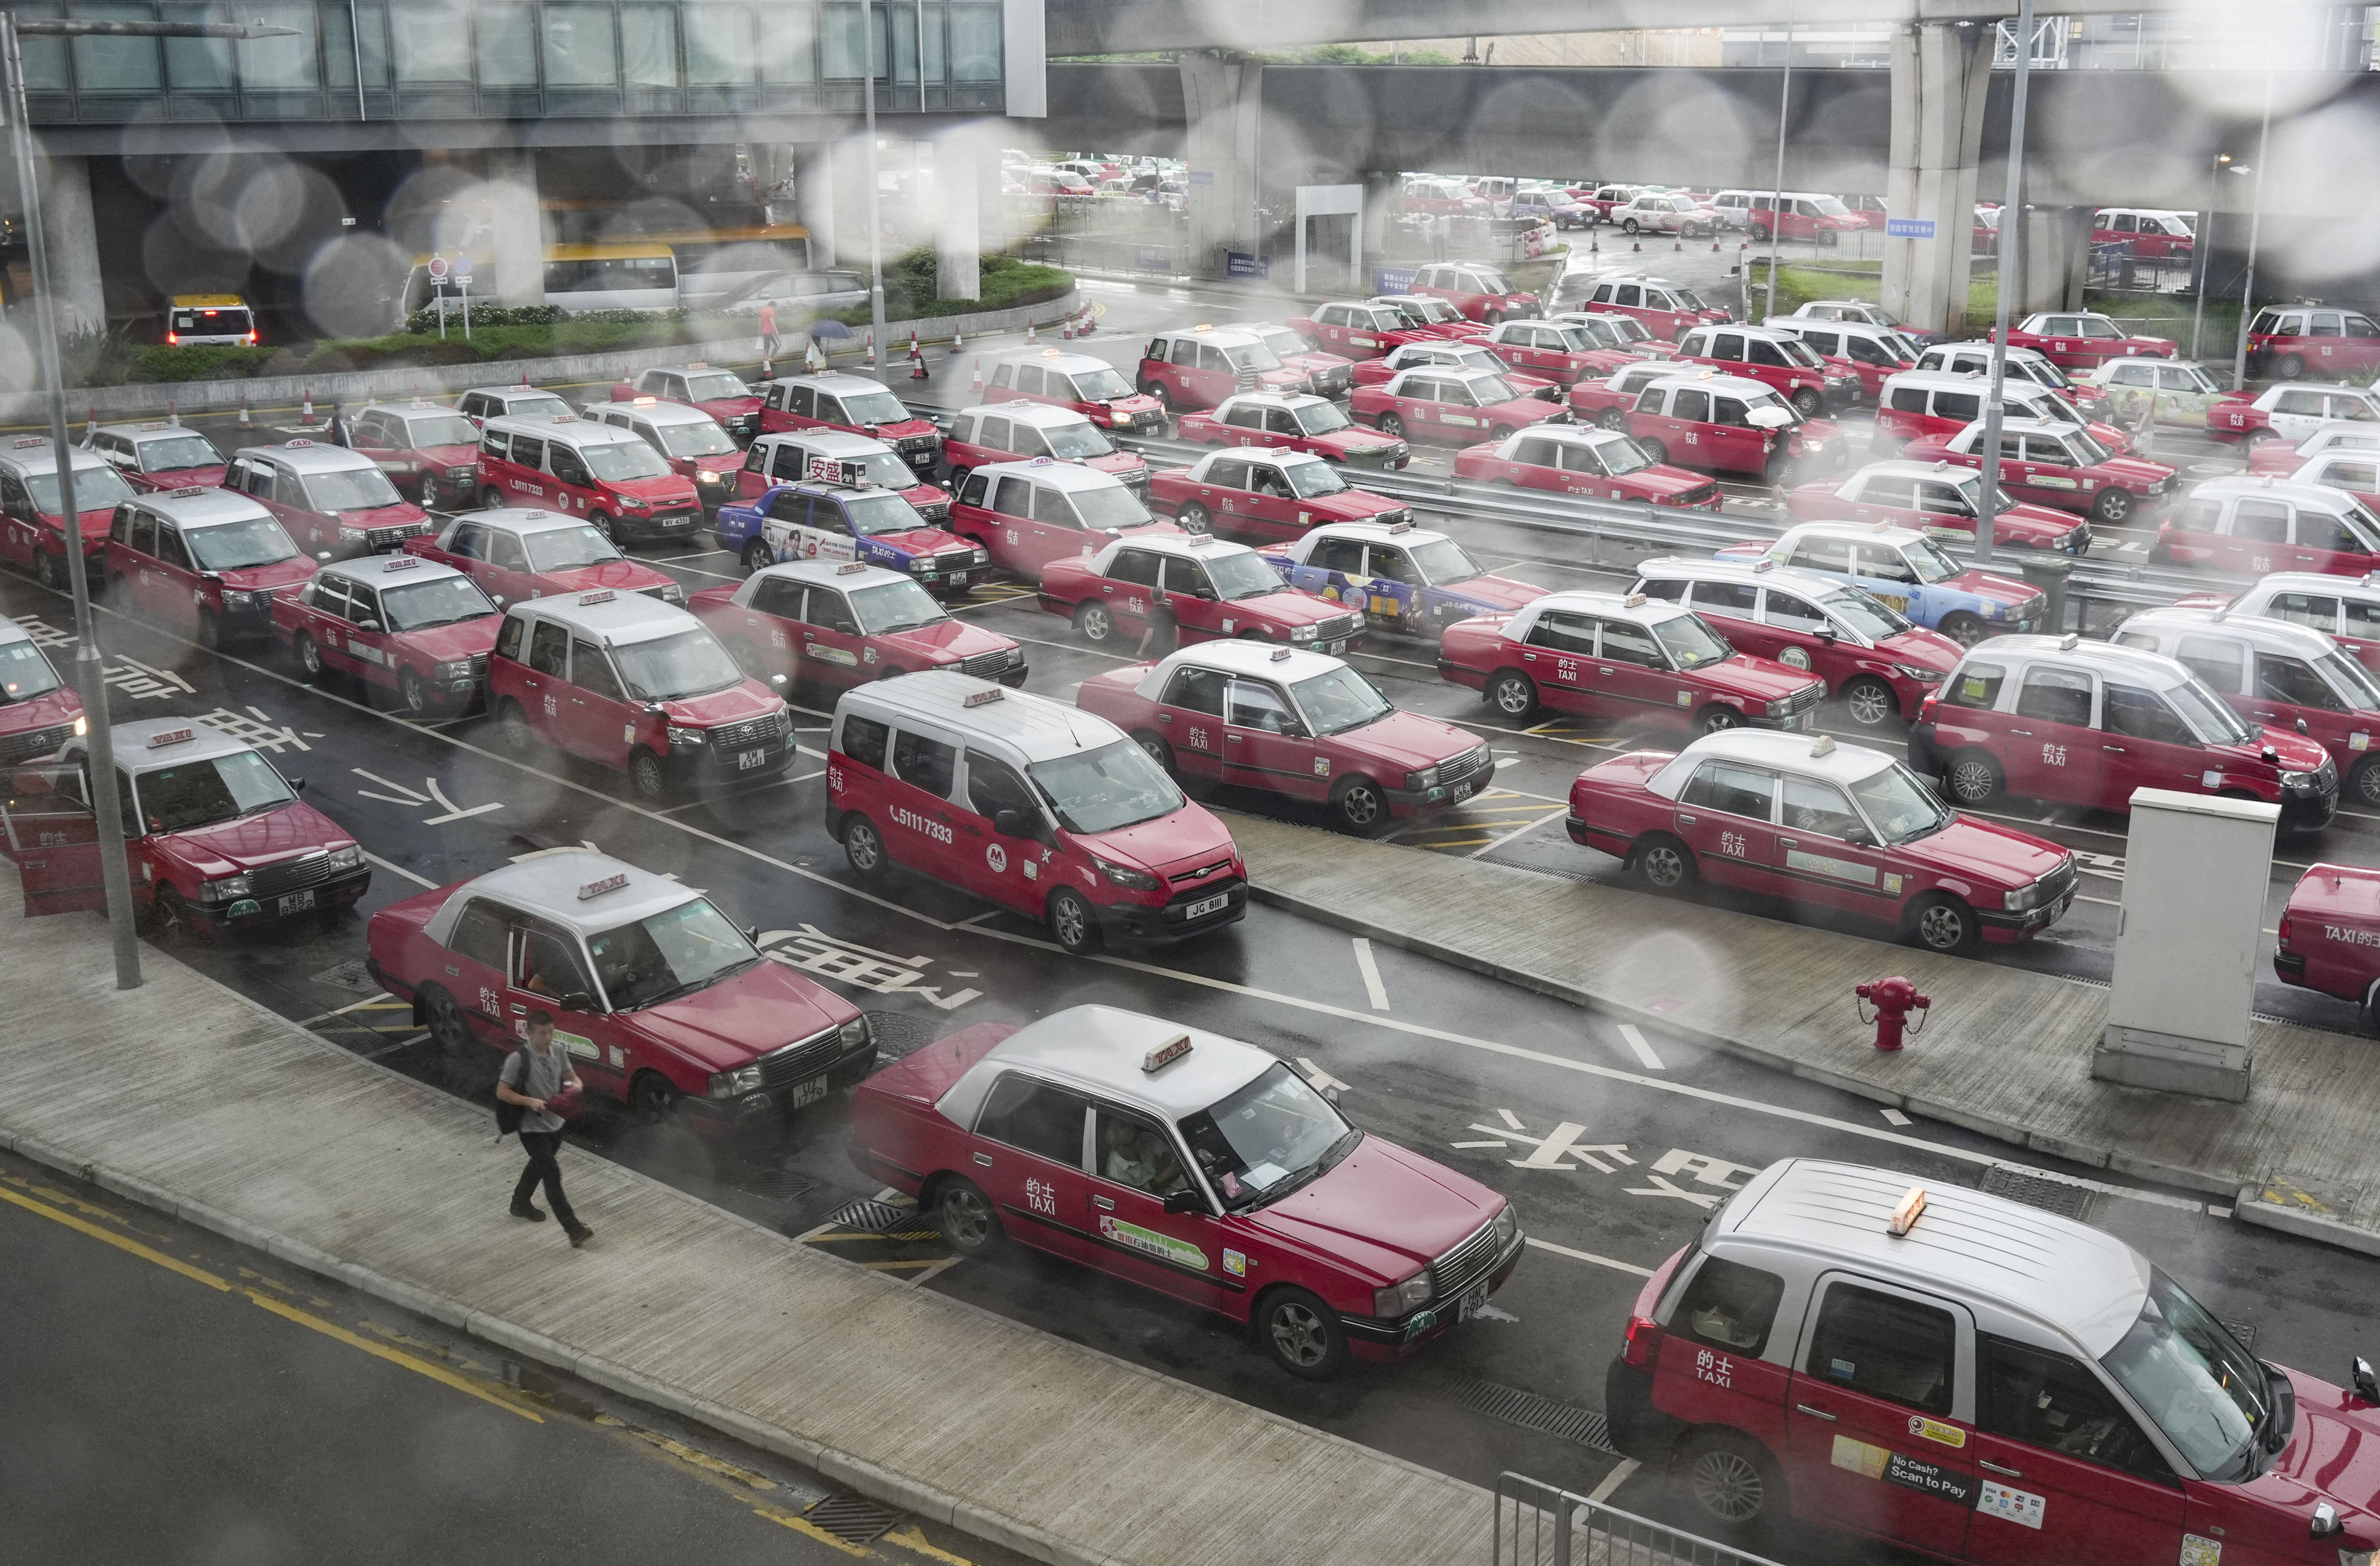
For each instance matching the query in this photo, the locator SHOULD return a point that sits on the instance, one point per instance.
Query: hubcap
(1070, 921)
(1726, 1485)
(1155, 748)
(864, 848)
(1941, 927)
(415, 698)
(310, 656)
(1717, 718)
(1194, 519)
(1095, 624)
(969, 1220)
(1663, 868)
(1297, 1333)
(1512, 699)
(1869, 704)
(2367, 786)
(649, 777)
(1971, 781)
(518, 733)
(2117, 506)
(1360, 805)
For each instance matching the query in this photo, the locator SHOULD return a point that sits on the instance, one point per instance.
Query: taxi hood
(1753, 677)
(902, 428)
(660, 487)
(1925, 648)
(212, 475)
(1408, 742)
(1497, 594)
(365, 519)
(1994, 589)
(452, 644)
(1986, 851)
(623, 575)
(2294, 752)
(2137, 470)
(1288, 607)
(1118, 463)
(1382, 1209)
(1349, 505)
(1186, 840)
(736, 1021)
(444, 456)
(253, 842)
(947, 639)
(2334, 1455)
(280, 574)
(725, 409)
(732, 704)
(1354, 438)
(40, 711)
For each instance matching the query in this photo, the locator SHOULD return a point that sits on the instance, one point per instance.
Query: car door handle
(984, 1158)
(2027, 733)
(1686, 820)
(575, 703)
(1999, 1468)
(1232, 738)
(1528, 658)
(1789, 843)
(1814, 1413)
(1105, 1204)
(1165, 717)
(2116, 750)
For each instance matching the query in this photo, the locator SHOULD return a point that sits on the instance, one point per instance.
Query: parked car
(1776, 358)
(1432, 404)
(1608, 402)
(1917, 404)
(515, 554)
(1019, 432)
(2288, 412)
(1265, 497)
(821, 519)
(2058, 465)
(1801, 215)
(1872, 354)
(1724, 424)
(721, 394)
(2290, 343)
(2282, 458)
(1216, 589)
(1027, 514)
(1089, 386)
(2346, 609)
(39, 712)
(483, 403)
(2022, 364)
(1328, 374)
(33, 527)
(1430, 314)
(1557, 351)
(1906, 573)
(209, 560)
(854, 404)
(1666, 309)
(2250, 525)
(1311, 424)
(1477, 289)
(404, 628)
(2168, 392)
(333, 501)
(1939, 500)
(1681, 215)
(689, 441)
(2080, 339)
(611, 477)
(1396, 576)
(1359, 331)
(1572, 459)
(428, 450)
(158, 453)
(2144, 233)
(1456, 355)
(833, 624)
(1623, 333)
(2329, 939)
(836, 456)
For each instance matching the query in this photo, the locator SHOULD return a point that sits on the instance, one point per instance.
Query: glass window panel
(431, 41)
(278, 64)
(843, 42)
(718, 45)
(45, 58)
(648, 45)
(789, 45)
(579, 48)
(202, 64)
(116, 64)
(937, 65)
(974, 43)
(901, 22)
(507, 43)
(340, 49)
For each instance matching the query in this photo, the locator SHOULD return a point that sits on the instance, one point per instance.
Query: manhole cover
(853, 1519)
(2038, 1190)
(350, 977)
(869, 1216)
(1531, 1411)
(900, 1033)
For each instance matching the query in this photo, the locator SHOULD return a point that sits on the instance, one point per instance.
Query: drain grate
(899, 1033)
(785, 1183)
(349, 975)
(1531, 1412)
(2038, 1191)
(871, 1217)
(853, 1519)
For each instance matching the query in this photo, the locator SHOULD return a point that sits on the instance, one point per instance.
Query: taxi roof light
(191, 490)
(983, 697)
(1280, 655)
(401, 562)
(1764, 564)
(598, 888)
(169, 736)
(645, 401)
(600, 595)
(2070, 641)
(1904, 1217)
(1165, 1054)
(27, 440)
(1404, 527)
(850, 566)
(1822, 746)
(157, 424)
(1058, 353)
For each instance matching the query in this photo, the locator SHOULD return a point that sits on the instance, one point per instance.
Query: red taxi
(1450, 405)
(2079, 723)
(2147, 234)
(2078, 340)
(1666, 309)
(2293, 341)
(1099, 843)
(1265, 496)
(1329, 374)
(1217, 589)
(2282, 458)
(516, 555)
(1776, 358)
(2059, 465)
(1312, 424)
(836, 624)
(38, 714)
(2355, 472)
(1091, 387)
(854, 405)
(1019, 432)
(1215, 1175)
(1724, 424)
(332, 499)
(1575, 460)
(1450, 355)
(1200, 367)
(429, 451)
(1427, 312)
(1303, 725)
(2287, 413)
(2329, 939)
(1608, 401)
(1560, 351)
(772, 460)
(1839, 828)
(2251, 523)
(1361, 331)
(1938, 500)
(732, 404)
(688, 440)
(523, 401)
(2277, 674)
(204, 558)
(637, 685)
(1623, 334)
(1801, 215)
(1635, 658)
(2345, 610)
(1477, 289)
(2022, 364)
(32, 531)
(614, 479)
(663, 1004)
(1027, 514)
(158, 455)
(1917, 403)
(405, 626)
(1874, 658)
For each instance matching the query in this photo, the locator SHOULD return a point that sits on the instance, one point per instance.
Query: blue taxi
(848, 518)
(1399, 577)
(1910, 573)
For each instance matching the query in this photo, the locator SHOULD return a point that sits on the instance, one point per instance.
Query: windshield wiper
(1316, 1170)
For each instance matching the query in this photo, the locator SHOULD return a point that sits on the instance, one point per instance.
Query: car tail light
(251, 339)
(172, 339)
(1925, 708)
(2283, 933)
(1643, 1339)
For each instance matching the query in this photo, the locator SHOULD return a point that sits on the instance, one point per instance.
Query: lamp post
(875, 197)
(2205, 248)
(1989, 501)
(114, 868)
(2255, 223)
(1777, 196)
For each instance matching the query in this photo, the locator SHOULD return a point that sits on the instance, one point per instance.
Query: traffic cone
(306, 418)
(91, 423)
(1636, 245)
(524, 380)
(1066, 329)
(913, 343)
(244, 423)
(1714, 246)
(1030, 336)
(958, 344)
(975, 385)
(1594, 248)
(174, 412)
(871, 344)
(768, 371)
(916, 366)
(1090, 321)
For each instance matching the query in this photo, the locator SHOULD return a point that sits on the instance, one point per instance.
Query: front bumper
(769, 1108)
(653, 527)
(712, 765)
(240, 913)
(2310, 812)
(1148, 922)
(1375, 1338)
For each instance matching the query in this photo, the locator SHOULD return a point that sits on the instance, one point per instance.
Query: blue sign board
(1238, 263)
(1153, 258)
(1393, 280)
(1909, 228)
(1202, 176)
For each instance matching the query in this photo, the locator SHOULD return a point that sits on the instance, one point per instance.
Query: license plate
(1206, 905)
(808, 1092)
(295, 902)
(748, 759)
(1336, 647)
(929, 575)
(676, 521)
(1473, 1303)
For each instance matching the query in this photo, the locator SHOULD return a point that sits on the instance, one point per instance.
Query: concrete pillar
(517, 230)
(1940, 74)
(73, 233)
(814, 200)
(958, 220)
(1381, 205)
(2057, 254)
(1222, 100)
(2078, 225)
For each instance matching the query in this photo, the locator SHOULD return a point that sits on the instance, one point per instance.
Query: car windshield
(1620, 454)
(874, 407)
(1106, 789)
(100, 487)
(1321, 418)
(1491, 390)
(1687, 298)
(1240, 574)
(1798, 352)
(1577, 339)
(1971, 488)
(1099, 385)
(2185, 1370)
(884, 468)
(895, 606)
(1109, 506)
(235, 546)
(1627, 328)
(1066, 441)
(687, 664)
(565, 548)
(1307, 480)
(687, 947)
(25, 672)
(1268, 1138)
(1442, 562)
(1467, 357)
(1489, 282)
(1340, 701)
(537, 405)
(1764, 398)
(2209, 715)
(203, 793)
(617, 460)
(872, 515)
(713, 386)
(1831, 206)
(1862, 613)
(350, 488)
(1903, 807)
(449, 600)
(169, 452)
(1690, 643)
(2040, 372)
(429, 430)
(2094, 325)
(1245, 355)
(2350, 679)
(705, 438)
(2365, 526)
(1926, 558)
(1280, 339)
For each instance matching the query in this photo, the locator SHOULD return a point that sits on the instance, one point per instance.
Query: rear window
(1729, 1306)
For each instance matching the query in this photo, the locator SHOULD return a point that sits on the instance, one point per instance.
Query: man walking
(533, 1074)
(768, 330)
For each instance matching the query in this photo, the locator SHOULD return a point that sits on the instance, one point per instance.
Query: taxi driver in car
(1137, 1156)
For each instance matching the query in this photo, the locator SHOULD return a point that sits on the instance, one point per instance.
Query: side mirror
(2270, 756)
(2366, 1385)
(778, 681)
(578, 1000)
(1858, 837)
(366, 624)
(1185, 1201)
(1331, 1097)
(296, 785)
(1008, 823)
(498, 600)
(2301, 725)
(324, 557)
(2325, 1522)
(752, 934)
(1827, 635)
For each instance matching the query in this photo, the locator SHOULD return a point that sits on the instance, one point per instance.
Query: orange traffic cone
(244, 420)
(306, 418)
(1090, 321)
(916, 366)
(1636, 245)
(913, 343)
(977, 383)
(91, 423)
(958, 344)
(1066, 329)
(1677, 245)
(174, 412)
(1029, 335)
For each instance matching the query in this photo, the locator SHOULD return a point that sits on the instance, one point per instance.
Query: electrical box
(2196, 871)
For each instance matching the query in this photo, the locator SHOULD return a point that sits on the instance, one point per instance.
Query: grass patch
(2160, 315)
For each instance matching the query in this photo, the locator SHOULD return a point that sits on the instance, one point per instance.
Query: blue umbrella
(829, 328)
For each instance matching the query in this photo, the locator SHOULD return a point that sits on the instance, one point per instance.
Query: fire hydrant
(1893, 998)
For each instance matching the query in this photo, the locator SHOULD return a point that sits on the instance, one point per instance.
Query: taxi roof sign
(302, 442)
(1904, 1217)
(598, 888)
(1056, 353)
(1165, 1054)
(645, 401)
(1280, 655)
(1764, 564)
(2070, 641)
(849, 566)
(1822, 746)
(838, 470)
(169, 736)
(984, 698)
(601, 595)
(25, 441)
(189, 489)
(401, 562)
(157, 424)
(1404, 527)
(1633, 601)
(1043, 462)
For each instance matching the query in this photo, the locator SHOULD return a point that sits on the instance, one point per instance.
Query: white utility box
(2196, 871)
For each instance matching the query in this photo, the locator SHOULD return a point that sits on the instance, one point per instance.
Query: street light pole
(2204, 251)
(2256, 222)
(2011, 224)
(1776, 196)
(875, 199)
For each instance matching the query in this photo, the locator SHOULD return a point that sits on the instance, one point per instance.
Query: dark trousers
(540, 1146)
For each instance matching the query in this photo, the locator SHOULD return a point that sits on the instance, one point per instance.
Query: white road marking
(454, 811)
(1480, 1144)
(1371, 971)
(421, 882)
(1644, 1056)
(410, 798)
(377, 1000)
(1511, 1120)
(1317, 1075)
(1590, 1255)
(1894, 1117)
(1613, 1480)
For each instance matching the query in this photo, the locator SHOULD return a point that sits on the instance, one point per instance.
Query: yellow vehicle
(633, 275)
(201, 320)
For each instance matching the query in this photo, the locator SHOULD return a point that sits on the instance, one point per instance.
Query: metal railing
(1540, 1525)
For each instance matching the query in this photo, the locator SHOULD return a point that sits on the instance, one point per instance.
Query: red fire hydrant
(1894, 999)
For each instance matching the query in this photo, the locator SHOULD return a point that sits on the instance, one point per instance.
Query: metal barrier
(1539, 1524)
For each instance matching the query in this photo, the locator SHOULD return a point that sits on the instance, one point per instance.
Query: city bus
(633, 275)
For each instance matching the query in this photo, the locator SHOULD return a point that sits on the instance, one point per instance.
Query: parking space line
(422, 881)
(1590, 1255)
(1371, 972)
(1644, 1056)
(1613, 1480)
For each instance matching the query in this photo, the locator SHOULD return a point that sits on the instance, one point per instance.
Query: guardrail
(1540, 1525)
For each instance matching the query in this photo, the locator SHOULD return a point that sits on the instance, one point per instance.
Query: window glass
(994, 786)
(1817, 806)
(1886, 1347)
(1050, 507)
(1563, 631)
(777, 596)
(1961, 405)
(171, 551)
(1884, 562)
(549, 965)
(1347, 554)
(1136, 566)
(482, 934)
(549, 649)
(2305, 609)
(924, 763)
(1731, 599)
(1790, 612)
(1626, 642)
(2325, 530)
(976, 43)
(1729, 1305)
(719, 48)
(1197, 690)
(1738, 790)
(2058, 1405)
(2142, 714)
(1823, 553)
(1016, 497)
(1025, 1113)
(1692, 404)
(788, 46)
(2362, 477)
(2187, 1371)
(1906, 399)
(579, 48)
(591, 671)
(828, 611)
(1133, 1152)
(2260, 521)
(507, 43)
(863, 740)
(2057, 695)
(2292, 680)
(2220, 662)
(1256, 705)
(508, 636)
(1228, 472)
(648, 45)
(115, 64)
(363, 604)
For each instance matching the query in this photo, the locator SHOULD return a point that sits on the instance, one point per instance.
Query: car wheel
(1964, 628)
(1870, 702)
(958, 479)
(1612, 418)
(1302, 1334)
(1360, 805)
(1663, 864)
(1628, 226)
(449, 1029)
(863, 847)
(757, 556)
(209, 630)
(1157, 749)
(1194, 519)
(2290, 367)
(1512, 694)
(1716, 719)
(2113, 507)
(1391, 426)
(2365, 782)
(969, 1224)
(491, 499)
(652, 1097)
(520, 738)
(1072, 923)
(1656, 451)
(310, 656)
(1971, 779)
(169, 917)
(48, 571)
(647, 778)
(1942, 923)
(602, 522)
(412, 692)
(1806, 403)
(1732, 1482)
(1097, 623)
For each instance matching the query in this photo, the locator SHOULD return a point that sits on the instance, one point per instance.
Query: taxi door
(1880, 571)
(2054, 751)
(1266, 748)
(1027, 1154)
(507, 575)
(832, 652)
(769, 628)
(1558, 657)
(155, 588)
(523, 473)
(1266, 510)
(1135, 1163)
(1393, 595)
(1821, 855)
(2256, 539)
(363, 639)
(2321, 541)
(595, 716)
(1052, 531)
(51, 834)
(1191, 595)
(1651, 420)
(1190, 717)
(545, 680)
(920, 824)
(1790, 624)
(1632, 673)
(1871, 1441)
(2145, 744)
(1725, 814)
(1004, 866)
(784, 407)
(550, 973)
(2059, 1458)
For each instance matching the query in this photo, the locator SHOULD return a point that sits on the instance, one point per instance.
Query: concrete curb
(2304, 1225)
(365, 385)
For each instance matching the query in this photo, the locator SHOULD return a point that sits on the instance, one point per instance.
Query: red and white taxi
(1217, 591)
(854, 404)
(1939, 500)
(1623, 334)
(1666, 309)
(1265, 496)
(664, 1003)
(2077, 340)
(835, 624)
(1636, 658)
(158, 455)
(1019, 432)
(1919, 402)
(2022, 364)
(1310, 424)
(2252, 524)
(1091, 387)
(2288, 412)
(1200, 367)
(722, 394)
(332, 499)
(2282, 458)
(689, 441)
(1873, 353)
(2345, 609)
(2292, 340)
(523, 401)
(1840, 828)
(1450, 353)
(1477, 289)
(38, 714)
(405, 626)
(1581, 460)
(1560, 351)
(431, 451)
(516, 555)
(1193, 1165)
(2329, 939)
(1360, 331)
(1427, 312)
(1328, 374)
(616, 479)
(1906, 573)
(831, 454)
(1606, 402)
(2058, 466)
(1450, 405)
(1027, 514)
(208, 559)
(1302, 725)
(33, 530)
(1774, 357)
(1724, 424)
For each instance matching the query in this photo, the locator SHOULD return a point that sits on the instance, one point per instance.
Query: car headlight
(82, 725)
(854, 1034)
(630, 503)
(1780, 707)
(461, 473)
(1508, 1227)
(346, 858)
(229, 886)
(685, 736)
(458, 670)
(236, 600)
(672, 594)
(1808, 444)
(1404, 1299)
(727, 1084)
(1923, 676)
(705, 476)
(1125, 876)
(1302, 633)
(2024, 897)
(924, 563)
(2299, 783)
